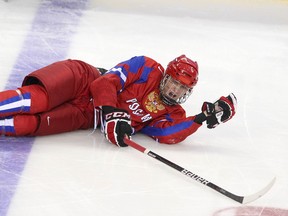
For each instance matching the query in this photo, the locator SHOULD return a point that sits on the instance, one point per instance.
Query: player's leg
(27, 99)
(18, 125)
(64, 118)
(64, 81)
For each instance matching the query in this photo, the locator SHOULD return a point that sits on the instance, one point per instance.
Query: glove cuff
(200, 118)
(108, 109)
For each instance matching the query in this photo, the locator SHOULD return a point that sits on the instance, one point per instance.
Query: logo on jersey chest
(153, 103)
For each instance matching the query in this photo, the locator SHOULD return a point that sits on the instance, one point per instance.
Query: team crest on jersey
(153, 102)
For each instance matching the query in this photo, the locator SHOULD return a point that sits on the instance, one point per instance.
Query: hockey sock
(7, 126)
(28, 99)
(39, 98)
(12, 102)
(19, 125)
(25, 125)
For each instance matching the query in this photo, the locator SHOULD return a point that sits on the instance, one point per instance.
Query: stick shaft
(184, 171)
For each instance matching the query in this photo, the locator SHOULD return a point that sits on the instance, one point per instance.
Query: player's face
(174, 89)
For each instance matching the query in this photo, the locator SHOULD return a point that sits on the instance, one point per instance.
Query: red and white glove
(221, 111)
(117, 125)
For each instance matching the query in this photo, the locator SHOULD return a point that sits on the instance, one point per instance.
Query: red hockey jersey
(133, 85)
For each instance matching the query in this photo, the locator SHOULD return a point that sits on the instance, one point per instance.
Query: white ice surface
(81, 174)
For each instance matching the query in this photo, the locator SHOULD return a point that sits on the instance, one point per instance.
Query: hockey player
(136, 95)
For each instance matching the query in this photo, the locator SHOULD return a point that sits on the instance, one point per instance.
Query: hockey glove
(221, 111)
(117, 125)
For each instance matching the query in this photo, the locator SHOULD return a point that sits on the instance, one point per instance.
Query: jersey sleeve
(105, 89)
(172, 128)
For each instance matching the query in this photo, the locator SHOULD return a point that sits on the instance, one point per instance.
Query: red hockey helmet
(183, 70)
(180, 77)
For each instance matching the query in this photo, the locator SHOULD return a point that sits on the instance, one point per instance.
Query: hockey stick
(240, 199)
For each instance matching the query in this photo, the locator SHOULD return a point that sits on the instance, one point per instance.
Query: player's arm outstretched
(176, 127)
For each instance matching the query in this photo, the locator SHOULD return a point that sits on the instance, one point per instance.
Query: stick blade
(251, 198)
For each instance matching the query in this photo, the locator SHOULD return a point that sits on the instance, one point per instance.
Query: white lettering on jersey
(146, 118)
(134, 107)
